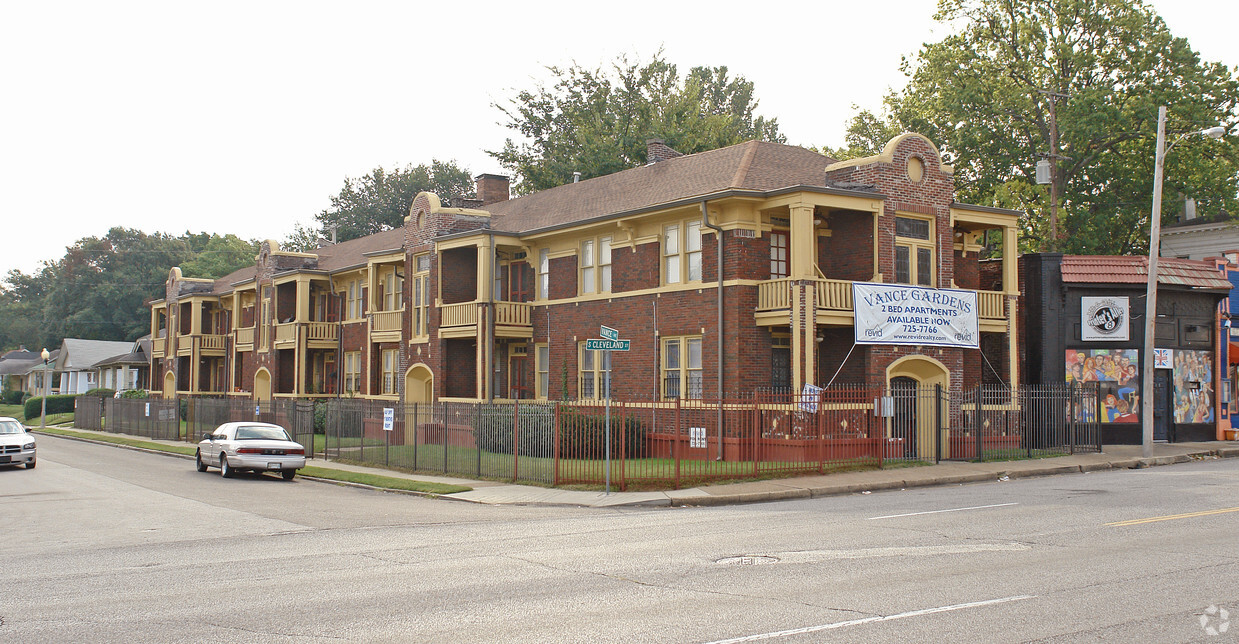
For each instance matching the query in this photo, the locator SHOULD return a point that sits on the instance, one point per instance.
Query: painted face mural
(1193, 387)
(1117, 376)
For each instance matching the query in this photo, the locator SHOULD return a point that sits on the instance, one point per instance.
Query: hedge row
(59, 404)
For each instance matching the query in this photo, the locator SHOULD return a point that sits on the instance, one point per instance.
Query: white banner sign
(1103, 318)
(899, 314)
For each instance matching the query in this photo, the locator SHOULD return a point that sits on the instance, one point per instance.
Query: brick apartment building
(495, 298)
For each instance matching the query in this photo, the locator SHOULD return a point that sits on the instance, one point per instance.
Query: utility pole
(1054, 157)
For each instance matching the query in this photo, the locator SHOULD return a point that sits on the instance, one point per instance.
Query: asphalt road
(103, 544)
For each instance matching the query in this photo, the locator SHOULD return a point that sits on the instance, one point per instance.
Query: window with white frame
(596, 265)
(390, 360)
(353, 300)
(393, 284)
(544, 273)
(542, 366)
(779, 254)
(914, 251)
(421, 295)
(595, 371)
(352, 372)
(682, 252)
(681, 367)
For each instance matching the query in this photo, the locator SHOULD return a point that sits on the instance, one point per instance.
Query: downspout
(718, 235)
(491, 381)
(335, 303)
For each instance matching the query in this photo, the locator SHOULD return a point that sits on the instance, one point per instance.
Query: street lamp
(47, 388)
(1150, 295)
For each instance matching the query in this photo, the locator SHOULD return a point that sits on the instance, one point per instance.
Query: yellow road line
(1172, 516)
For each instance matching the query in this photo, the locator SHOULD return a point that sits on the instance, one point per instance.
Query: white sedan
(256, 447)
(16, 446)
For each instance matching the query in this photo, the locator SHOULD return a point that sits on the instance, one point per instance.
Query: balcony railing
(462, 314)
(469, 314)
(836, 295)
(245, 336)
(158, 346)
(386, 320)
(286, 332)
(512, 313)
(323, 331)
(990, 305)
(211, 342)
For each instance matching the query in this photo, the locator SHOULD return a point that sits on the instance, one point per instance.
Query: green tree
(99, 288)
(596, 121)
(380, 200)
(1102, 67)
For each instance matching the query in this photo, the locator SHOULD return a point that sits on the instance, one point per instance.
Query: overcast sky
(245, 117)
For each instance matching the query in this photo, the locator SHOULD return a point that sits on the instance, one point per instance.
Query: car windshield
(11, 427)
(261, 433)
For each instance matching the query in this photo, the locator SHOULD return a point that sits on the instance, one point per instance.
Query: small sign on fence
(808, 398)
(148, 410)
(884, 406)
(389, 418)
(697, 437)
(1163, 358)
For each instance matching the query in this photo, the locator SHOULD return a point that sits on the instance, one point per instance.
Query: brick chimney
(492, 188)
(657, 150)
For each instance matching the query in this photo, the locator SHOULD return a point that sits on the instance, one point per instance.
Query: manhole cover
(748, 560)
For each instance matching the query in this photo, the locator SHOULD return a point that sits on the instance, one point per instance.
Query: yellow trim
(914, 244)
(888, 155)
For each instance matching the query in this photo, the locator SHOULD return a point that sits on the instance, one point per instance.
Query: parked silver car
(16, 445)
(257, 447)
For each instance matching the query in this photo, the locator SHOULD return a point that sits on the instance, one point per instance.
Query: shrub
(25, 396)
(100, 392)
(320, 416)
(12, 397)
(58, 404)
(492, 429)
(134, 393)
(583, 435)
(184, 405)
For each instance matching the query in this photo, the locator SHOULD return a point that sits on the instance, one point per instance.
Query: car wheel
(287, 474)
(30, 466)
(202, 467)
(224, 468)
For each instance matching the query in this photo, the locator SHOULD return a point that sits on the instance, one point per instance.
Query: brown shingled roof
(753, 165)
(1097, 269)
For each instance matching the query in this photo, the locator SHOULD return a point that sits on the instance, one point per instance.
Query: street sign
(607, 345)
(608, 333)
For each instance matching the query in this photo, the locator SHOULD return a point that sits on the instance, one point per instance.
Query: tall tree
(98, 289)
(1079, 81)
(380, 200)
(596, 121)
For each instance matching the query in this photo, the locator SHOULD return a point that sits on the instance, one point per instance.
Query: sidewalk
(950, 473)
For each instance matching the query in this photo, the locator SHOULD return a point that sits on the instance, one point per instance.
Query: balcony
(385, 325)
(286, 333)
(462, 319)
(245, 338)
(322, 335)
(158, 347)
(833, 302)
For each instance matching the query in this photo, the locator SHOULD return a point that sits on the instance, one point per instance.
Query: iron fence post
(516, 442)
(937, 423)
(555, 446)
(675, 444)
(976, 429)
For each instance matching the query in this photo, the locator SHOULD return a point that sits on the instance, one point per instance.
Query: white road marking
(870, 620)
(912, 514)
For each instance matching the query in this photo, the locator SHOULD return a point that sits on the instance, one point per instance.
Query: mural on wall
(1193, 386)
(1118, 376)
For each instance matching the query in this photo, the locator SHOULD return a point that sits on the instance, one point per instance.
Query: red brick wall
(848, 253)
(967, 272)
(563, 277)
(459, 381)
(633, 271)
(459, 275)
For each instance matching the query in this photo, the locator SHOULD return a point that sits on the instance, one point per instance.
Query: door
(904, 421)
(1161, 405)
(518, 383)
(517, 288)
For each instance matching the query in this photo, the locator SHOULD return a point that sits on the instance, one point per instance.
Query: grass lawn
(17, 411)
(375, 480)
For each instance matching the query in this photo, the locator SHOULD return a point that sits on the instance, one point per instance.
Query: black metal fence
(665, 443)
